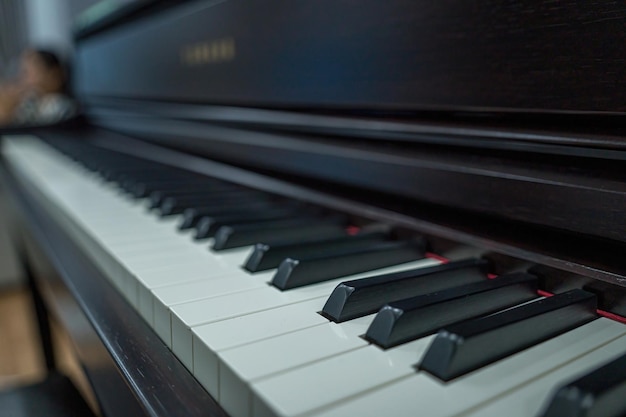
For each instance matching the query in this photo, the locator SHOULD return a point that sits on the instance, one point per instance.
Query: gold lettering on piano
(208, 52)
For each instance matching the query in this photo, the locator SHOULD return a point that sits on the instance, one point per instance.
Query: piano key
(147, 282)
(208, 226)
(409, 319)
(118, 217)
(131, 228)
(259, 360)
(149, 274)
(146, 242)
(268, 256)
(188, 315)
(598, 393)
(338, 377)
(193, 246)
(210, 265)
(352, 299)
(176, 205)
(70, 208)
(141, 189)
(141, 170)
(212, 338)
(140, 278)
(294, 273)
(530, 398)
(228, 237)
(191, 216)
(289, 371)
(119, 174)
(176, 253)
(245, 364)
(467, 346)
(182, 190)
(371, 382)
(156, 306)
(133, 288)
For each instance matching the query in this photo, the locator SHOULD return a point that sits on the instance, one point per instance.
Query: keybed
(280, 307)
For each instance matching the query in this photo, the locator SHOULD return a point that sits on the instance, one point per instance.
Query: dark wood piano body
(496, 127)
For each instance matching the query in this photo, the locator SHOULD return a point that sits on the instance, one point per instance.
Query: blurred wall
(13, 34)
(50, 24)
(24, 23)
(43, 23)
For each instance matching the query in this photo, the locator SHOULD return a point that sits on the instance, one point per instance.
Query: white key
(191, 282)
(213, 338)
(288, 332)
(329, 391)
(188, 315)
(155, 264)
(530, 399)
(155, 304)
(153, 239)
(241, 366)
(362, 369)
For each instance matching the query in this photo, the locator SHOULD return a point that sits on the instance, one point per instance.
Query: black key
(117, 174)
(465, 347)
(410, 319)
(192, 216)
(170, 203)
(267, 256)
(208, 226)
(141, 189)
(126, 179)
(177, 205)
(293, 273)
(357, 298)
(600, 393)
(146, 172)
(228, 237)
(157, 197)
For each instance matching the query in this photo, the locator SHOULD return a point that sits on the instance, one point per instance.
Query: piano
(337, 208)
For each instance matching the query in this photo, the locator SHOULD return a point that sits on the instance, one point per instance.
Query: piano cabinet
(451, 131)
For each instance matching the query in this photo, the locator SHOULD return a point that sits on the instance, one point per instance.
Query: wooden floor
(20, 357)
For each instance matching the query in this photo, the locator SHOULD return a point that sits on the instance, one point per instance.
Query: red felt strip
(437, 257)
(612, 316)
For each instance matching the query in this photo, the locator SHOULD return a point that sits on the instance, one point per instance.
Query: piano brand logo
(208, 52)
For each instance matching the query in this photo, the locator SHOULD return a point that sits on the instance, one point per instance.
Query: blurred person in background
(39, 95)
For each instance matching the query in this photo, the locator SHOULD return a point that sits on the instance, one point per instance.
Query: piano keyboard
(296, 311)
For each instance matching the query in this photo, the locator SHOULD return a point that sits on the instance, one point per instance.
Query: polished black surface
(192, 216)
(402, 54)
(465, 347)
(411, 318)
(208, 226)
(158, 197)
(235, 236)
(356, 298)
(297, 272)
(267, 256)
(486, 108)
(599, 393)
